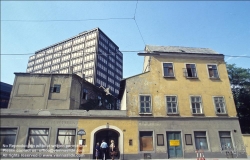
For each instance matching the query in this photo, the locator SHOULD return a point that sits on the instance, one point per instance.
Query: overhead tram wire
(24, 54)
(64, 20)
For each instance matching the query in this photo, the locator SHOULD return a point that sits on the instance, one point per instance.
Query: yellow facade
(158, 87)
(127, 128)
(246, 140)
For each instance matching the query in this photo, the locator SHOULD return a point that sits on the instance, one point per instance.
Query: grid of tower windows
(79, 52)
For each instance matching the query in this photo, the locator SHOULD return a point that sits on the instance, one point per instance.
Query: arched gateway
(102, 132)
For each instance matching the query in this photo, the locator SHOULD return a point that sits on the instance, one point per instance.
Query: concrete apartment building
(182, 102)
(90, 53)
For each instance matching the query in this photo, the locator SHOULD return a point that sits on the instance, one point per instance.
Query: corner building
(91, 54)
(183, 103)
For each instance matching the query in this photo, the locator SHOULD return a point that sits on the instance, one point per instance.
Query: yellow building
(180, 104)
(183, 102)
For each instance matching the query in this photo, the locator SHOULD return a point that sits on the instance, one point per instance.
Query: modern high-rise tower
(91, 54)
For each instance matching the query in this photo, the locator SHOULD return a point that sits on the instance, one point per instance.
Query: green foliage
(240, 85)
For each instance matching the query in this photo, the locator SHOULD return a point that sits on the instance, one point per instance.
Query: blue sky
(222, 26)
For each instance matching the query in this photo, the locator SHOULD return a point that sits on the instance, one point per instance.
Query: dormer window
(168, 70)
(85, 94)
(99, 100)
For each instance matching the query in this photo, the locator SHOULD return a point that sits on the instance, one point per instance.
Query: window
(65, 138)
(188, 138)
(212, 71)
(55, 89)
(85, 94)
(190, 71)
(146, 141)
(225, 140)
(171, 104)
(8, 137)
(196, 104)
(38, 138)
(200, 140)
(168, 69)
(160, 140)
(99, 100)
(219, 105)
(145, 104)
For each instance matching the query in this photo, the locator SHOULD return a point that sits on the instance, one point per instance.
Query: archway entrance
(107, 135)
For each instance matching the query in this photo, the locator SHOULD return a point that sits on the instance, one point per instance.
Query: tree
(240, 85)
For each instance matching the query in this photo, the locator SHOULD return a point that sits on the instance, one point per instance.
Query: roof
(178, 49)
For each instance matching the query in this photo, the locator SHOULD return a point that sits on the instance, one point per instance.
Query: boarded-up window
(146, 141)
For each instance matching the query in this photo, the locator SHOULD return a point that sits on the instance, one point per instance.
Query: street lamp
(80, 132)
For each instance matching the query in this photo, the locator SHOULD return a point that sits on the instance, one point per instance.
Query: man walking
(104, 147)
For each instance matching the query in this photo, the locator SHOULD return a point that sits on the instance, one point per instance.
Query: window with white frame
(168, 70)
(196, 104)
(200, 140)
(145, 104)
(225, 140)
(8, 137)
(212, 71)
(38, 138)
(190, 71)
(219, 105)
(65, 138)
(171, 104)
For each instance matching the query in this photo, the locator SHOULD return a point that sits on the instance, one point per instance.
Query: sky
(221, 26)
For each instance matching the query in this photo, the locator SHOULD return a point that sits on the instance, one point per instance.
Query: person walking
(112, 150)
(104, 147)
(97, 150)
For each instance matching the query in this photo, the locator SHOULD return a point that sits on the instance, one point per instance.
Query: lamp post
(80, 132)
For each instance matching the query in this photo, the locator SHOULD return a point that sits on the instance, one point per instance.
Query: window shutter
(51, 89)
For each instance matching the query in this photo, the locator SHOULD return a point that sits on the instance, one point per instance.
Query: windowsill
(221, 114)
(169, 76)
(173, 114)
(214, 78)
(192, 77)
(149, 114)
(198, 114)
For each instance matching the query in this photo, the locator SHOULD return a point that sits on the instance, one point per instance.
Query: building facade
(5, 94)
(183, 103)
(90, 53)
(180, 104)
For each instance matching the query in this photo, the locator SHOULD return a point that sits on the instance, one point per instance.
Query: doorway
(174, 145)
(107, 135)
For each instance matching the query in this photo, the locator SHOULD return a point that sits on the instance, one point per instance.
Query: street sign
(174, 143)
(81, 132)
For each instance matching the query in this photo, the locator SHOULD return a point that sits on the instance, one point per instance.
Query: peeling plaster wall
(154, 84)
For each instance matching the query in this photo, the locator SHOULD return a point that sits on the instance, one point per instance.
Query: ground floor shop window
(38, 138)
(146, 141)
(66, 138)
(7, 137)
(200, 140)
(225, 140)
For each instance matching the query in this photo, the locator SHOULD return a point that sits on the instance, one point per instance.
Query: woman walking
(97, 150)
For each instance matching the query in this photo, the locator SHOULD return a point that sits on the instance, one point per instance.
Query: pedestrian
(97, 150)
(104, 147)
(113, 150)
